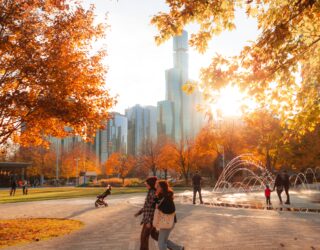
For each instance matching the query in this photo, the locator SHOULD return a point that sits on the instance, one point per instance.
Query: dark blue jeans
(197, 189)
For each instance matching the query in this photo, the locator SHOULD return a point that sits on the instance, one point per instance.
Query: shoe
(287, 203)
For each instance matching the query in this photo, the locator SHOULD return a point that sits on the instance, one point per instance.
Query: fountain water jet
(243, 180)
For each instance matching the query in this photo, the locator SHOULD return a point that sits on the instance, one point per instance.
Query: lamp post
(77, 172)
(223, 157)
(57, 161)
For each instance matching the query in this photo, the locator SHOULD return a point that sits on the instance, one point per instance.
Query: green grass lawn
(38, 194)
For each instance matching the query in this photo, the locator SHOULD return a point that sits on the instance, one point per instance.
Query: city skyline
(175, 117)
(136, 64)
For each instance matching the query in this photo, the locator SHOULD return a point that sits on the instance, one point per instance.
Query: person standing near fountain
(196, 182)
(282, 182)
(278, 185)
(286, 185)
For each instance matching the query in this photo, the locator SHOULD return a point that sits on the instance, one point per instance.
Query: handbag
(162, 220)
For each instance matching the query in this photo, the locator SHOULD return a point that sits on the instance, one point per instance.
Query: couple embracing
(158, 215)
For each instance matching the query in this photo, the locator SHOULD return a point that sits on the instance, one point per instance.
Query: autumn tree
(302, 152)
(207, 152)
(148, 155)
(166, 160)
(182, 155)
(286, 49)
(43, 160)
(264, 137)
(120, 164)
(80, 154)
(50, 78)
(217, 144)
(150, 151)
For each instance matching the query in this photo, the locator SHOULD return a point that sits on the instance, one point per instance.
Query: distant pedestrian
(148, 212)
(267, 193)
(196, 182)
(286, 185)
(282, 182)
(278, 186)
(13, 186)
(25, 187)
(165, 216)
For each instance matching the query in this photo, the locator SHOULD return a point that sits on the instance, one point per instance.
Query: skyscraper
(165, 122)
(114, 138)
(179, 108)
(142, 126)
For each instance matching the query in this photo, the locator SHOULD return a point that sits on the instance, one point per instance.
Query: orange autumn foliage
(87, 161)
(166, 160)
(120, 164)
(18, 231)
(49, 77)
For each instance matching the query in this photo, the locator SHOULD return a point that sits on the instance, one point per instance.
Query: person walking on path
(278, 185)
(196, 182)
(267, 193)
(13, 186)
(166, 205)
(148, 212)
(286, 185)
(282, 182)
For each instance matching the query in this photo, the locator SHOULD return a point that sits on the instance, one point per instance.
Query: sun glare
(230, 102)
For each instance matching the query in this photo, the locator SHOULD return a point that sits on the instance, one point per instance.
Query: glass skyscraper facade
(165, 122)
(142, 126)
(177, 115)
(114, 138)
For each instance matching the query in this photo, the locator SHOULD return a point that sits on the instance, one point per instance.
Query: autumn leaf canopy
(280, 69)
(50, 79)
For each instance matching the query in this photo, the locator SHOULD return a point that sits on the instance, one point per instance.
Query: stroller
(100, 198)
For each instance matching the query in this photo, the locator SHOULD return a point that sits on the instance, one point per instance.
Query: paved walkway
(198, 227)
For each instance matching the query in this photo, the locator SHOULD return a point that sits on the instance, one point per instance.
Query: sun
(230, 102)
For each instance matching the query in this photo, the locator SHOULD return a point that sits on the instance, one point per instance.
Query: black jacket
(196, 180)
(166, 205)
(278, 183)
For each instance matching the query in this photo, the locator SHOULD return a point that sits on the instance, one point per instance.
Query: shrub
(117, 182)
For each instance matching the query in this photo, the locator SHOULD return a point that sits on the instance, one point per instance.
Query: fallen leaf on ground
(17, 231)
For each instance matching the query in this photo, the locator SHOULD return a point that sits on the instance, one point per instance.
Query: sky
(136, 65)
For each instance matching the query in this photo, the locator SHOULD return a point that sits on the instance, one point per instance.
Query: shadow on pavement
(78, 213)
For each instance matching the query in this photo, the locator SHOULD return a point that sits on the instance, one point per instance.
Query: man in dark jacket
(286, 185)
(13, 186)
(196, 182)
(282, 182)
(278, 185)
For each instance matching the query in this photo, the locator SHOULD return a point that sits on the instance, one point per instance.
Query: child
(267, 193)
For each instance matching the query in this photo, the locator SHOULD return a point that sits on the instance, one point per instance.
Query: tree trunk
(268, 161)
(123, 181)
(154, 170)
(186, 177)
(165, 174)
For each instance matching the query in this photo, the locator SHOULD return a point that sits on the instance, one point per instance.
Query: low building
(10, 171)
(87, 177)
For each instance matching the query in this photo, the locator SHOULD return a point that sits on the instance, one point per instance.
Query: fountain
(253, 173)
(243, 180)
